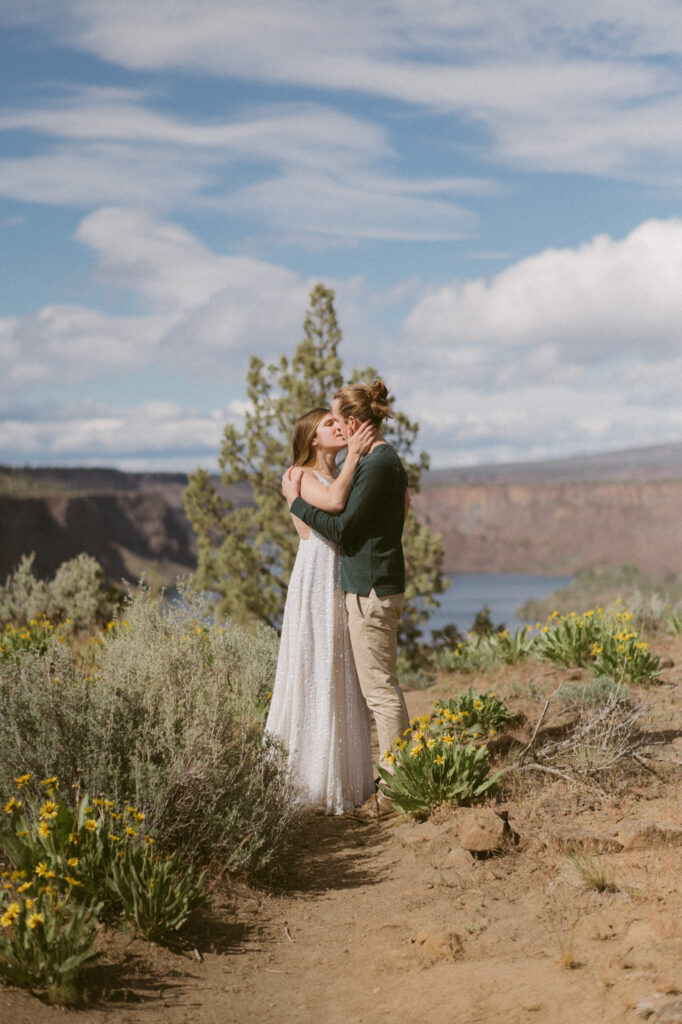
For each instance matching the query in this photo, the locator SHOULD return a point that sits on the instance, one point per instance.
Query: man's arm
(369, 480)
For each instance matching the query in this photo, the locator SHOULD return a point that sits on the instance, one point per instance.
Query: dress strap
(327, 483)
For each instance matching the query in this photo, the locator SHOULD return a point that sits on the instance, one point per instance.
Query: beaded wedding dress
(317, 709)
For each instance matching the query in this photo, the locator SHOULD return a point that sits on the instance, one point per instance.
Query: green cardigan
(369, 529)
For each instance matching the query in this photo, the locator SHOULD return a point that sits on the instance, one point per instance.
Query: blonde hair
(305, 429)
(365, 403)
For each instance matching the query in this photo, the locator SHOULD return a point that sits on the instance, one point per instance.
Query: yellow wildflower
(43, 830)
(25, 887)
(49, 809)
(34, 920)
(12, 805)
(431, 743)
(130, 831)
(41, 869)
(439, 760)
(417, 750)
(10, 915)
(72, 862)
(91, 825)
(449, 740)
(23, 780)
(72, 881)
(49, 782)
(114, 838)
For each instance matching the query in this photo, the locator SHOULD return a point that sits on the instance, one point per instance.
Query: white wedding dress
(317, 709)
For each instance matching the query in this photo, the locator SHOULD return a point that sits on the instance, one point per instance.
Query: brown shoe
(376, 808)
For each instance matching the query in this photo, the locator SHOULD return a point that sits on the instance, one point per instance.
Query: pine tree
(247, 547)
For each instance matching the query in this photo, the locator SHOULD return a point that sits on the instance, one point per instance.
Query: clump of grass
(595, 872)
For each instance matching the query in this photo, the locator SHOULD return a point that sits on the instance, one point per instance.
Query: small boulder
(458, 860)
(483, 831)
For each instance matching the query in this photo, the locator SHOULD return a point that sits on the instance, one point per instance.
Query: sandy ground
(376, 924)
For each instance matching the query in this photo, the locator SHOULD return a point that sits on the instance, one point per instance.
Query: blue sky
(494, 190)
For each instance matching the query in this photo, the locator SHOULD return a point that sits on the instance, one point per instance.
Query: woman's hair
(365, 403)
(305, 429)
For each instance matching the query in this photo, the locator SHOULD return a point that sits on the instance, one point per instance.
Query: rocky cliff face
(125, 532)
(554, 517)
(557, 527)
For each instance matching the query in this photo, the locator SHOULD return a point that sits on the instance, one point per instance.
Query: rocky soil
(472, 916)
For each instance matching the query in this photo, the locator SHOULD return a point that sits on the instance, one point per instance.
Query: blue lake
(503, 594)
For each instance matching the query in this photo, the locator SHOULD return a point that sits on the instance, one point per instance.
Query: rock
(440, 946)
(640, 837)
(458, 860)
(483, 831)
(578, 841)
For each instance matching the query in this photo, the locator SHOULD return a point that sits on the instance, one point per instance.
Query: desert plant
(426, 772)
(76, 593)
(44, 941)
(596, 690)
(34, 636)
(511, 648)
(164, 715)
(595, 873)
(569, 640)
(470, 715)
(157, 893)
(624, 657)
(75, 848)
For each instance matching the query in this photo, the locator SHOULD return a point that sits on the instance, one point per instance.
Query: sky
(492, 189)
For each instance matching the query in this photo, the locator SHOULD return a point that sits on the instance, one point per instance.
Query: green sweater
(369, 529)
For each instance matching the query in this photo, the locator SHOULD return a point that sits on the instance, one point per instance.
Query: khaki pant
(373, 625)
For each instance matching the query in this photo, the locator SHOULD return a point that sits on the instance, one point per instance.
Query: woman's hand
(362, 440)
(291, 483)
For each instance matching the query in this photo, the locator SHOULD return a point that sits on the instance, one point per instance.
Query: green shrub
(435, 771)
(444, 758)
(77, 594)
(157, 894)
(44, 941)
(470, 715)
(597, 690)
(164, 715)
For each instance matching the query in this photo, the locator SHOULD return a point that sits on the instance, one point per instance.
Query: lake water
(503, 594)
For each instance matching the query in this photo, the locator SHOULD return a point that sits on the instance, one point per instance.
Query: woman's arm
(333, 498)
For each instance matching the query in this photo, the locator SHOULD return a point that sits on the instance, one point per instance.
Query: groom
(368, 532)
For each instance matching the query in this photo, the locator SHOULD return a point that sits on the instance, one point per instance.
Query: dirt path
(378, 924)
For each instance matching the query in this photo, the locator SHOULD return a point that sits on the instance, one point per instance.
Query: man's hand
(291, 483)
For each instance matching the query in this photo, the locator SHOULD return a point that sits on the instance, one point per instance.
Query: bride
(317, 709)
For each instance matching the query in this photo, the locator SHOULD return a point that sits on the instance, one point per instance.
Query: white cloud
(606, 300)
(94, 433)
(320, 171)
(571, 85)
(570, 350)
